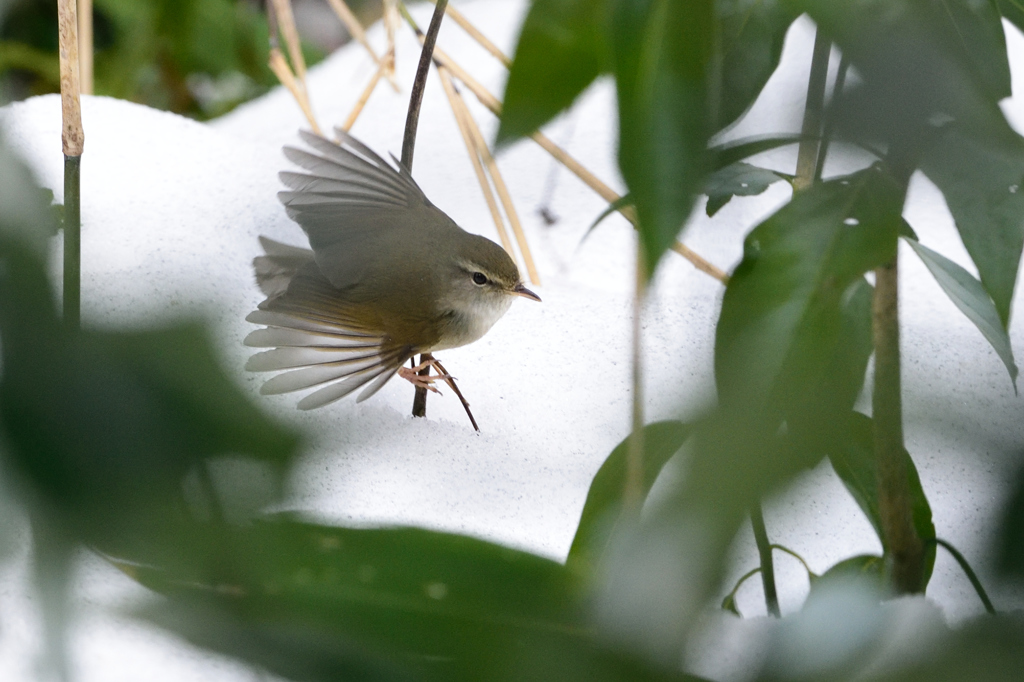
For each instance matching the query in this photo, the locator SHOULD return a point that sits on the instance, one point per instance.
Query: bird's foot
(413, 376)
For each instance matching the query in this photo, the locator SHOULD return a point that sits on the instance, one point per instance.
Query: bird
(388, 276)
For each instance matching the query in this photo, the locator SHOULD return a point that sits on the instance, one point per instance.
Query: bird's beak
(520, 290)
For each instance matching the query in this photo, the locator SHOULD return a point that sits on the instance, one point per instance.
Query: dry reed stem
(506, 198)
(460, 112)
(358, 108)
(72, 135)
(286, 24)
(391, 21)
(476, 35)
(284, 74)
(355, 29)
(85, 47)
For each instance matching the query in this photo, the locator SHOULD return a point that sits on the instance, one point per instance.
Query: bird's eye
(479, 278)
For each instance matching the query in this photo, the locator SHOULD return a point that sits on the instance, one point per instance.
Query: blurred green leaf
(920, 60)
(982, 179)
(751, 33)
(854, 462)
(1012, 10)
(661, 52)
(781, 315)
(739, 179)
(973, 301)
(868, 566)
(621, 202)
(728, 153)
(1011, 541)
(604, 503)
(442, 606)
(560, 52)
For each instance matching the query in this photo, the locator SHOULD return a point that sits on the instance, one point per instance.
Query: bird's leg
(450, 380)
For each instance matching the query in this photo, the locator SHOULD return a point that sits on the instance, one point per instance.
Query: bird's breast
(466, 323)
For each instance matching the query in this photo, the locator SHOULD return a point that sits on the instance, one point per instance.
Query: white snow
(172, 210)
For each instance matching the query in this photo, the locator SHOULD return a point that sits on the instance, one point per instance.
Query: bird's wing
(350, 202)
(320, 341)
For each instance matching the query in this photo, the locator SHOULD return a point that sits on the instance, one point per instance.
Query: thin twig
(764, 549)
(391, 22)
(476, 35)
(73, 144)
(459, 110)
(787, 550)
(85, 48)
(450, 380)
(363, 99)
(419, 403)
(355, 29)
(284, 74)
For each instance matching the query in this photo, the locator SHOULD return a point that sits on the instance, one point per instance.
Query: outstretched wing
(348, 201)
(318, 340)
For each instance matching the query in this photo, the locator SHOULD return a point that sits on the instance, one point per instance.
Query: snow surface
(172, 209)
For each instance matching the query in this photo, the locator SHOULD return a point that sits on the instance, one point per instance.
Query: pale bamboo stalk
(284, 74)
(632, 494)
(355, 29)
(391, 21)
(72, 135)
(460, 112)
(85, 46)
(286, 24)
(506, 198)
(476, 35)
(358, 108)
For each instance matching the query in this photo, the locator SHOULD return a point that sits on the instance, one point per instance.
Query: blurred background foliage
(199, 58)
(139, 447)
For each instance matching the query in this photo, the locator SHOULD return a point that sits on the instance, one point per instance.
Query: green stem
(796, 556)
(971, 575)
(764, 549)
(731, 597)
(72, 243)
(807, 155)
(419, 401)
(895, 506)
(837, 97)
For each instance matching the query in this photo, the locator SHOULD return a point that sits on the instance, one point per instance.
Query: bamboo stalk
(72, 144)
(634, 480)
(355, 29)
(391, 21)
(506, 198)
(286, 24)
(358, 108)
(460, 112)
(85, 46)
(807, 155)
(284, 74)
(476, 35)
(764, 550)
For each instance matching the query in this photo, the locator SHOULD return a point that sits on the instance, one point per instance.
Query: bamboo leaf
(739, 179)
(970, 297)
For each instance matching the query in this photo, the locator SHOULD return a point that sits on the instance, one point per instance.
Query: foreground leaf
(560, 52)
(604, 503)
(970, 297)
(661, 52)
(739, 179)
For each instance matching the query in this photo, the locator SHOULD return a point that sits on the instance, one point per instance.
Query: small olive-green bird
(389, 276)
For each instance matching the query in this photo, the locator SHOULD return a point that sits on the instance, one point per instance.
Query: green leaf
(604, 504)
(1013, 10)
(621, 202)
(920, 59)
(781, 314)
(1011, 533)
(970, 297)
(982, 179)
(661, 51)
(728, 153)
(750, 45)
(437, 605)
(854, 462)
(869, 566)
(560, 52)
(739, 179)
